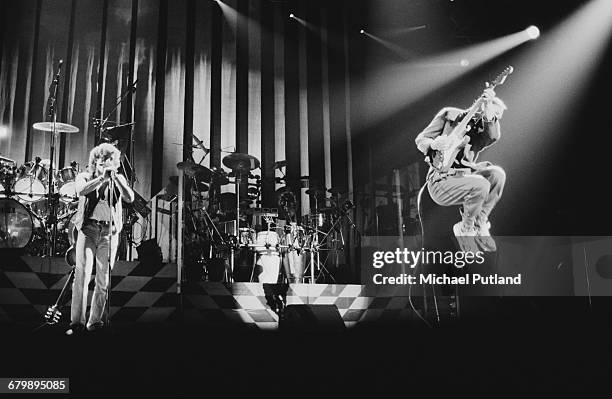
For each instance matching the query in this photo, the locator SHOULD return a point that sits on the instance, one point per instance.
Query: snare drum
(15, 224)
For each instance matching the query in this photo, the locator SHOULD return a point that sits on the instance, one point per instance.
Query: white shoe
(484, 229)
(484, 239)
(461, 230)
(466, 237)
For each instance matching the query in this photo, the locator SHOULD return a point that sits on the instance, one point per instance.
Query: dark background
(555, 187)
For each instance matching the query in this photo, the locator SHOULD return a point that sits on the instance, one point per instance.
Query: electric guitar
(442, 161)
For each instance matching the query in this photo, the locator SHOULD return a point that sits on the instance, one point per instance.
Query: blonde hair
(104, 151)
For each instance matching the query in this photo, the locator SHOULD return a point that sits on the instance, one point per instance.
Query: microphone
(53, 91)
(110, 128)
(59, 69)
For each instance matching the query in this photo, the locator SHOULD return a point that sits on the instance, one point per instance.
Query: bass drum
(16, 224)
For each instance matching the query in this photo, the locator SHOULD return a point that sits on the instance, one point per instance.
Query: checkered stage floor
(141, 293)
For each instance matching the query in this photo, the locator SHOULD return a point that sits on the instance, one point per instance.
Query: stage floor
(145, 294)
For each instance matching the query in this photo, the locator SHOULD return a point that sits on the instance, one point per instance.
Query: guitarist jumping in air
(452, 142)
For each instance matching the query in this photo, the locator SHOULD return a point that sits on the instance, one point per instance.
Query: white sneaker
(484, 229)
(484, 239)
(466, 237)
(461, 230)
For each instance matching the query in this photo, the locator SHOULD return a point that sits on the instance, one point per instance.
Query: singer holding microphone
(98, 220)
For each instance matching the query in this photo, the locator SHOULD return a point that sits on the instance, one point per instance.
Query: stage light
(4, 132)
(533, 32)
(464, 63)
(291, 16)
(362, 31)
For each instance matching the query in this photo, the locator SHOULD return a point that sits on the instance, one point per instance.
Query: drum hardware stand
(316, 244)
(315, 259)
(210, 227)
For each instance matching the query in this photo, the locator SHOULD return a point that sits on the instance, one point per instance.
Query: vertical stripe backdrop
(244, 77)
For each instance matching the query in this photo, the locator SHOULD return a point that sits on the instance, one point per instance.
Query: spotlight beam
(393, 88)
(398, 50)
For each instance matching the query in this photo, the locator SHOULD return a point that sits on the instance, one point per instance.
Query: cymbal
(315, 191)
(282, 190)
(219, 176)
(192, 169)
(201, 186)
(240, 162)
(279, 164)
(8, 160)
(59, 127)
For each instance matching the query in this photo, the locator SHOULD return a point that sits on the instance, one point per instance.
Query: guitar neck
(460, 129)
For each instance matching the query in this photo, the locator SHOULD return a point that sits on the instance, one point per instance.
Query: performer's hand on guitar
(492, 107)
(441, 143)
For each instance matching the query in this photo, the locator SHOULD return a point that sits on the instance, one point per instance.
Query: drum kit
(34, 215)
(273, 239)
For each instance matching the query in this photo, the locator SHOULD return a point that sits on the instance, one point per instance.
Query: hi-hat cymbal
(59, 127)
(240, 162)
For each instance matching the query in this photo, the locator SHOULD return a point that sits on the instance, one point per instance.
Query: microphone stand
(52, 113)
(111, 193)
(131, 179)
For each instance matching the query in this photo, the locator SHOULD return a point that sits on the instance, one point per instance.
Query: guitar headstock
(53, 315)
(501, 78)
